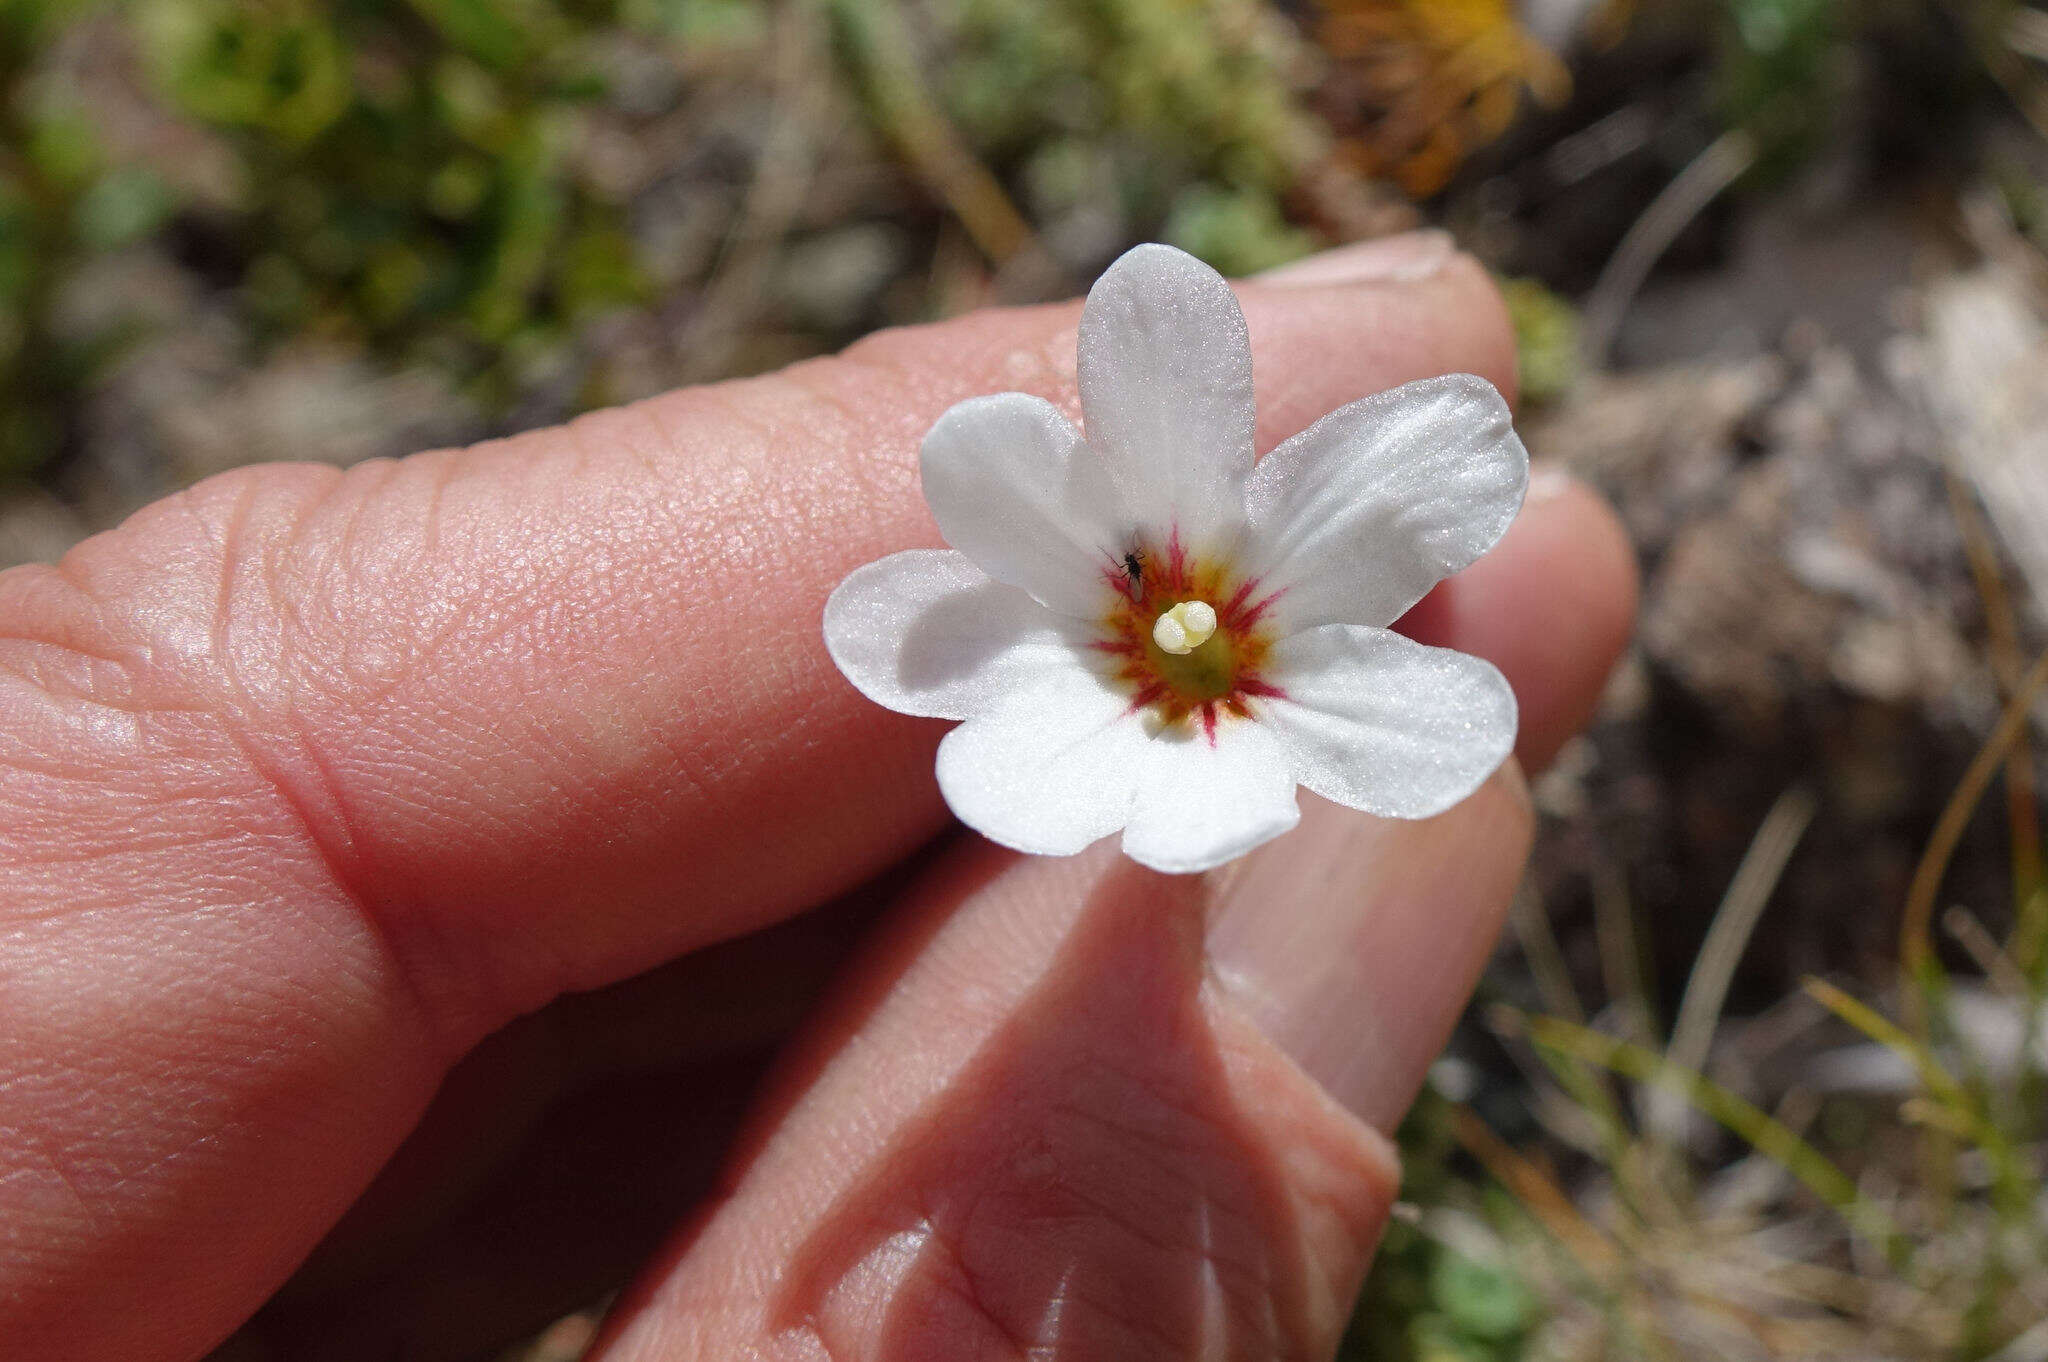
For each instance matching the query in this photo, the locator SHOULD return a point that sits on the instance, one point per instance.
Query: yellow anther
(1184, 628)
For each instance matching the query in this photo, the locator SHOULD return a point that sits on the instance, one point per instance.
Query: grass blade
(1742, 1118)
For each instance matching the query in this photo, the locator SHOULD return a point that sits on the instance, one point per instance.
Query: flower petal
(1201, 803)
(1354, 519)
(1379, 722)
(1049, 769)
(1166, 389)
(1014, 488)
(926, 632)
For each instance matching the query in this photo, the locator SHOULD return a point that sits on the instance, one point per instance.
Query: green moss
(1546, 339)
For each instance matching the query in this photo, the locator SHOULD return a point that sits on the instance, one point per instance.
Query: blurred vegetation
(470, 185)
(1901, 1220)
(1427, 81)
(550, 204)
(1546, 339)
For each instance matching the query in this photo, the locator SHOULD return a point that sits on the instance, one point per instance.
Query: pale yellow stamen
(1184, 628)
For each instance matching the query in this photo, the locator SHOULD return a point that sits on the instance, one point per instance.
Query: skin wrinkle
(822, 382)
(1141, 1322)
(138, 847)
(60, 632)
(36, 642)
(331, 570)
(901, 384)
(930, 1138)
(54, 1166)
(722, 399)
(1137, 1321)
(335, 839)
(193, 914)
(226, 543)
(321, 814)
(648, 456)
(1253, 1273)
(344, 560)
(1326, 1173)
(83, 721)
(205, 1129)
(1201, 1252)
(345, 553)
(964, 1286)
(1104, 1122)
(511, 622)
(442, 467)
(220, 726)
(200, 1140)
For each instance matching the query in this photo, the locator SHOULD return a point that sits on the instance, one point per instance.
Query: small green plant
(403, 166)
(435, 183)
(1778, 74)
(1546, 339)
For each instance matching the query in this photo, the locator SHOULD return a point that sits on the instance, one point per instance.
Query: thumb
(1040, 1124)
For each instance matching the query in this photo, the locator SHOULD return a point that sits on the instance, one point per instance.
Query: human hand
(312, 782)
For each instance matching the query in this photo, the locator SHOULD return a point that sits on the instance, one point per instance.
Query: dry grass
(1836, 1179)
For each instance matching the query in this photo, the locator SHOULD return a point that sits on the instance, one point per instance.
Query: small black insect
(1134, 568)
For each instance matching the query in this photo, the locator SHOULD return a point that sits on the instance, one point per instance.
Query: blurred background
(1759, 1072)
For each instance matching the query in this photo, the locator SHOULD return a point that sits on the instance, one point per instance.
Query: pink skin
(310, 781)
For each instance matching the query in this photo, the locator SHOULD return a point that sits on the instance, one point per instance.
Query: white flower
(1146, 630)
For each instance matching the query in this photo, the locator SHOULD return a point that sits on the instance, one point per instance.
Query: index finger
(543, 706)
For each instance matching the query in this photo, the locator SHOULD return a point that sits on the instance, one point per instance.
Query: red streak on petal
(1251, 615)
(1252, 685)
(1227, 616)
(1209, 721)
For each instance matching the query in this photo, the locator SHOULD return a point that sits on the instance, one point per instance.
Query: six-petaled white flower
(1146, 629)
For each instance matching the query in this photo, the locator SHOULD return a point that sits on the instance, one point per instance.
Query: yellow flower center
(1187, 662)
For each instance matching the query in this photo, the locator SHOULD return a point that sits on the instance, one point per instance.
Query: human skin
(312, 780)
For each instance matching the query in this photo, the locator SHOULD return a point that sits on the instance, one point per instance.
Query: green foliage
(1427, 1301)
(396, 180)
(700, 24)
(413, 178)
(1546, 339)
(122, 206)
(1238, 231)
(55, 158)
(276, 71)
(403, 164)
(1176, 114)
(1777, 74)
(1479, 1301)
(1932, 1244)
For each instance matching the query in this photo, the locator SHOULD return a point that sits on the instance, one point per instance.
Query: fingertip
(1318, 346)
(1476, 317)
